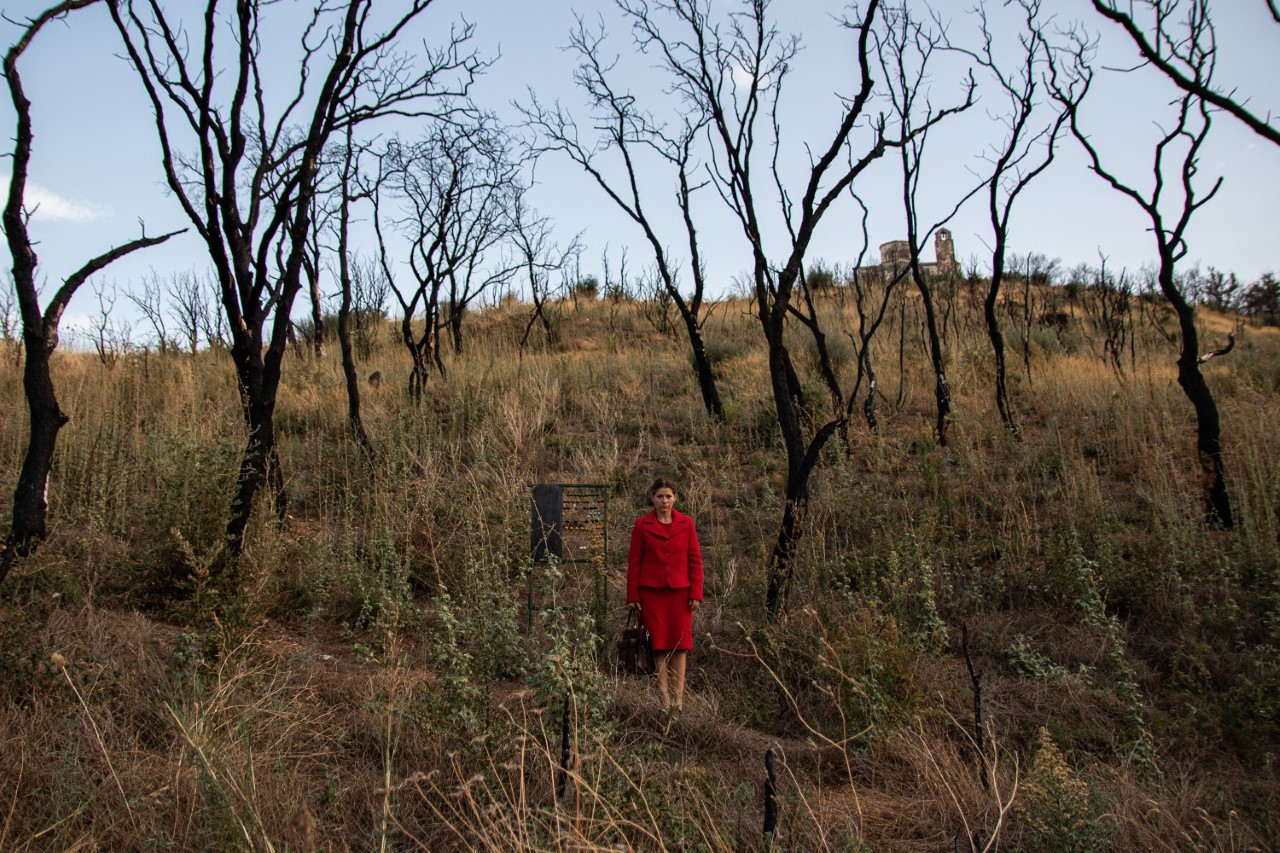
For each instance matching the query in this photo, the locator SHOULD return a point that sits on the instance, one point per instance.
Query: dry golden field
(363, 679)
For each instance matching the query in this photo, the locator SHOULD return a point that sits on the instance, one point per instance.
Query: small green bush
(1030, 662)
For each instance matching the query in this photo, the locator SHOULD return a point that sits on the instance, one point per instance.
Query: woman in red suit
(664, 583)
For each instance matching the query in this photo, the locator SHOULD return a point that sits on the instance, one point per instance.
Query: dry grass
(325, 703)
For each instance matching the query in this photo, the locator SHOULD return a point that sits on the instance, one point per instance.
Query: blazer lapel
(666, 531)
(657, 526)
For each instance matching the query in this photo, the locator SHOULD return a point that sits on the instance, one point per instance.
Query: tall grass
(365, 681)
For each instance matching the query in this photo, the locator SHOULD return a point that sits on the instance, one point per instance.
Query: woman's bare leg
(663, 691)
(677, 677)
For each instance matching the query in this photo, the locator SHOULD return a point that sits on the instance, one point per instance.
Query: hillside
(363, 677)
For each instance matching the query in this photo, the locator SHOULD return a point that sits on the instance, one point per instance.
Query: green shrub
(1030, 662)
(474, 642)
(567, 670)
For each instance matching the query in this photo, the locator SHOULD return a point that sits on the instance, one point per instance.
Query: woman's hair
(661, 483)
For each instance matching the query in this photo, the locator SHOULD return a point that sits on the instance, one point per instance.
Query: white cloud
(51, 207)
(75, 323)
(743, 77)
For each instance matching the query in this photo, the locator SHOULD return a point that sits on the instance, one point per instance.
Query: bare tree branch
(1183, 59)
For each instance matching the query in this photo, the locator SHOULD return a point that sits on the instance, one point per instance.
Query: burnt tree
(312, 266)
(249, 184)
(905, 49)
(454, 189)
(1027, 150)
(630, 135)
(39, 326)
(870, 318)
(476, 273)
(539, 257)
(348, 195)
(1170, 202)
(190, 308)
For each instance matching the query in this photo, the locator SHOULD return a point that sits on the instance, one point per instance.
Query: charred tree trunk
(902, 354)
(539, 314)
(801, 461)
(419, 348)
(349, 375)
(782, 559)
(692, 311)
(941, 387)
(1027, 314)
(260, 463)
(455, 326)
(1170, 227)
(419, 372)
(833, 383)
(801, 464)
(438, 345)
(809, 318)
(867, 328)
(1208, 426)
(869, 403)
(349, 363)
(997, 343)
(867, 368)
(905, 59)
(702, 367)
(317, 316)
(623, 129)
(249, 191)
(1027, 150)
(30, 507)
(794, 388)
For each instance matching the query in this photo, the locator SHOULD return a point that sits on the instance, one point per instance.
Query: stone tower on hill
(896, 255)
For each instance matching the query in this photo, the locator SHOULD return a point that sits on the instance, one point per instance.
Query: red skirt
(665, 612)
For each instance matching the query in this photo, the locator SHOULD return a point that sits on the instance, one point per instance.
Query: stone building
(895, 256)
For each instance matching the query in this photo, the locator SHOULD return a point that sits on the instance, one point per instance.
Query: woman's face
(663, 499)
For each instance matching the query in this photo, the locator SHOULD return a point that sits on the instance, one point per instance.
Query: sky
(96, 167)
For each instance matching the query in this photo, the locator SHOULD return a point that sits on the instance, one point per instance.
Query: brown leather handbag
(634, 650)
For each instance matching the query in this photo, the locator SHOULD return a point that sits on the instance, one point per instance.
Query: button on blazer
(664, 555)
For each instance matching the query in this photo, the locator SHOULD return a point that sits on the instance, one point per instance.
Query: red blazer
(664, 555)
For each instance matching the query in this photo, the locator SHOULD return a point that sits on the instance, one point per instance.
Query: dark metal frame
(576, 498)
